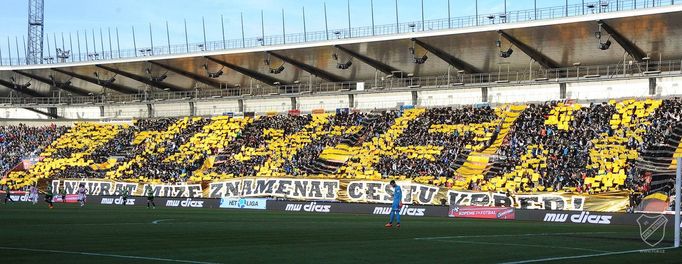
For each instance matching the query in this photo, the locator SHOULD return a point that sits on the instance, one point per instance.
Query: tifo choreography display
(553, 155)
(519, 132)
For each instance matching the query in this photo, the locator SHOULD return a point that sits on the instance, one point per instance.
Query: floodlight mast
(34, 52)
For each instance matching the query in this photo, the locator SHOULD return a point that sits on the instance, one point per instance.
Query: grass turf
(92, 234)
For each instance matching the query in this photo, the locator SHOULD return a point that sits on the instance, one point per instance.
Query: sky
(69, 16)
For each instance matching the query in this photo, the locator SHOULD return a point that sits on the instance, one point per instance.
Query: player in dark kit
(150, 197)
(124, 196)
(7, 194)
(48, 196)
(395, 207)
(62, 193)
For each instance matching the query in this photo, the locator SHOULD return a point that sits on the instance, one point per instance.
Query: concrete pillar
(192, 110)
(415, 98)
(150, 110)
(562, 90)
(294, 103)
(241, 105)
(52, 111)
(484, 94)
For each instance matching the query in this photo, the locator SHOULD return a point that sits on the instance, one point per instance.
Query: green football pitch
(108, 234)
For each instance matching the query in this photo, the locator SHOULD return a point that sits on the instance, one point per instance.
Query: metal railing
(621, 71)
(589, 7)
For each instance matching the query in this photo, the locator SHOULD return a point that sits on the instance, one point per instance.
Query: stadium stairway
(611, 153)
(361, 164)
(282, 148)
(332, 158)
(676, 137)
(154, 144)
(478, 162)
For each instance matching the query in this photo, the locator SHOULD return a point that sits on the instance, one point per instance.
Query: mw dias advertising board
(117, 200)
(482, 212)
(18, 196)
(186, 202)
(354, 208)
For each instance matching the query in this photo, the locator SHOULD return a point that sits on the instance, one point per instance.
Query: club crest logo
(652, 229)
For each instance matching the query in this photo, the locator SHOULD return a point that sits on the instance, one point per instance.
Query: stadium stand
(22, 141)
(559, 145)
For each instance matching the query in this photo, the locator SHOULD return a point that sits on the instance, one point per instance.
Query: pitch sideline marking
(587, 256)
(104, 255)
(511, 235)
(156, 222)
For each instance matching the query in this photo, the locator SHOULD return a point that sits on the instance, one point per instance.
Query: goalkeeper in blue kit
(397, 204)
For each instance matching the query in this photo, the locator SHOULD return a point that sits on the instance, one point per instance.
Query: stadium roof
(556, 43)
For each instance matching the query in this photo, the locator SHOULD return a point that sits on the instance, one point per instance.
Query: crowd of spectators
(453, 153)
(120, 147)
(663, 123)
(565, 151)
(19, 142)
(254, 137)
(154, 167)
(306, 160)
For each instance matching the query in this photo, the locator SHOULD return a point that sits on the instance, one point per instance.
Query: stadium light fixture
(606, 45)
(602, 45)
(342, 65)
(504, 53)
(507, 53)
(160, 78)
(416, 59)
(213, 75)
(275, 70)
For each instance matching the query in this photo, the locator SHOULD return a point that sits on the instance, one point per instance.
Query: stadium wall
(669, 86)
(126, 111)
(214, 107)
(79, 112)
(308, 104)
(382, 100)
(167, 109)
(267, 105)
(581, 91)
(608, 90)
(21, 113)
(468, 96)
(534, 93)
